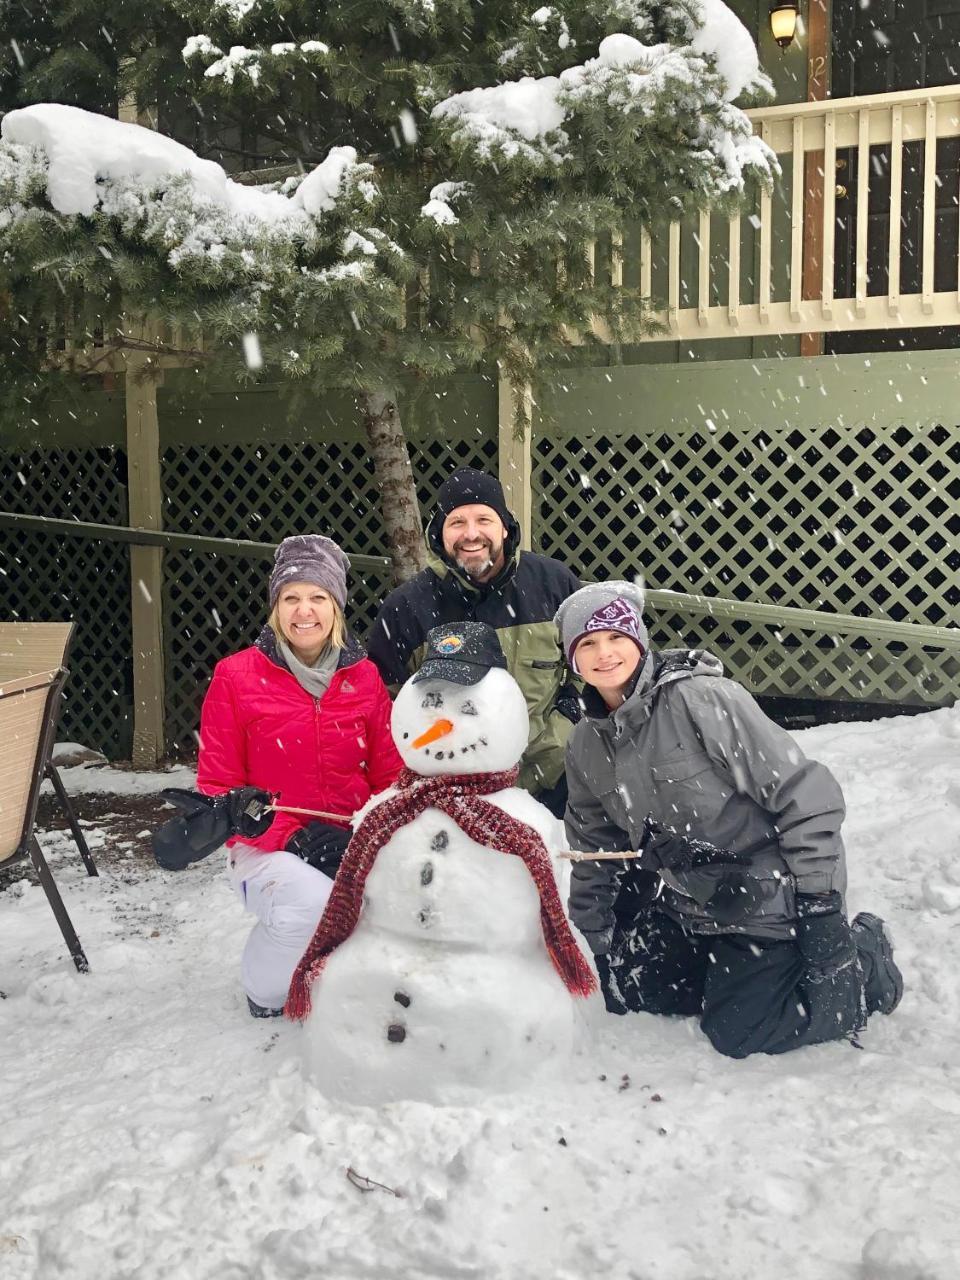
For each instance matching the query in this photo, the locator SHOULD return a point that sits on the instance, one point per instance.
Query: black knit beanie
(466, 486)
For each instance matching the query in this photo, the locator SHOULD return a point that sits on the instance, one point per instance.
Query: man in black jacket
(476, 573)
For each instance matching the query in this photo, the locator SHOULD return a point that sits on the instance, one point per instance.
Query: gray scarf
(316, 679)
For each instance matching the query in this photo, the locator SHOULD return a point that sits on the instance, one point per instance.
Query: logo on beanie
(618, 615)
(448, 645)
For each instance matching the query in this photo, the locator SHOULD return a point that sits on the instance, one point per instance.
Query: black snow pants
(751, 995)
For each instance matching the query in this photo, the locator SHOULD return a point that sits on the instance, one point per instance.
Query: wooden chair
(32, 676)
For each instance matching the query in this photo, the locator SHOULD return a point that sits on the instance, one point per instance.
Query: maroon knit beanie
(310, 557)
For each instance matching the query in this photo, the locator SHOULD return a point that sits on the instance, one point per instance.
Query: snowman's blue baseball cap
(462, 652)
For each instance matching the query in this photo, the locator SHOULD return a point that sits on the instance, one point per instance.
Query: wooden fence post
(146, 563)
(516, 465)
(815, 179)
(145, 502)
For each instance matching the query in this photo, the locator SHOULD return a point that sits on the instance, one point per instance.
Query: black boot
(882, 980)
(258, 1011)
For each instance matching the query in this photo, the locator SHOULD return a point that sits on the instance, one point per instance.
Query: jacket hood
(656, 671)
(439, 562)
(351, 653)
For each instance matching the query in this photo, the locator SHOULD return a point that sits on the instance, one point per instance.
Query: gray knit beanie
(602, 606)
(310, 557)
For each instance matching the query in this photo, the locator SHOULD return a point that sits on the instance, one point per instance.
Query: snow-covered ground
(151, 1128)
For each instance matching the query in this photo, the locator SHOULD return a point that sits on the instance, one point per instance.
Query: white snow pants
(288, 897)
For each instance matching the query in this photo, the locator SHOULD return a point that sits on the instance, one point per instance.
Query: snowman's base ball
(396, 1022)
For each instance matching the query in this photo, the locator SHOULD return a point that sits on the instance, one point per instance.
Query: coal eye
(468, 709)
(432, 699)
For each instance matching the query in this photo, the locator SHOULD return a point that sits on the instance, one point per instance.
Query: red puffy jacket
(259, 727)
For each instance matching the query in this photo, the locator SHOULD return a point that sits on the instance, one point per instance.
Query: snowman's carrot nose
(439, 729)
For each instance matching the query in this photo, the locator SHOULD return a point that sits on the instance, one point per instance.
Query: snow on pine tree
(454, 162)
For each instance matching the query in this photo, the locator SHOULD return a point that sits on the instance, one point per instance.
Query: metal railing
(166, 541)
(883, 630)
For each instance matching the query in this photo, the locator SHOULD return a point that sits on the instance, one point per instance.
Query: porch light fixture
(783, 21)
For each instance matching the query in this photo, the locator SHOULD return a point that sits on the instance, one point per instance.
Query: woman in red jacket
(303, 713)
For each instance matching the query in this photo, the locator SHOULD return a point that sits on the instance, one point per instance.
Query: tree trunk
(398, 492)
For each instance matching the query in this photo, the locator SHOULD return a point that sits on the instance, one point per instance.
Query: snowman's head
(462, 712)
(442, 726)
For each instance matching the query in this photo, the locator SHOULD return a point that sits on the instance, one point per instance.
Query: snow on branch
(535, 119)
(720, 34)
(519, 118)
(161, 192)
(236, 10)
(438, 206)
(239, 61)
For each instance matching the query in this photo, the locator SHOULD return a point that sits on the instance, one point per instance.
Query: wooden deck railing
(870, 185)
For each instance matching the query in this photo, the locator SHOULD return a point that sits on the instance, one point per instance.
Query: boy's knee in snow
(729, 1046)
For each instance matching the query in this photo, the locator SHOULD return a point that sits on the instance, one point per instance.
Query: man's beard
(478, 568)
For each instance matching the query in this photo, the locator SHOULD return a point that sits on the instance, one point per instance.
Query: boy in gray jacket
(735, 910)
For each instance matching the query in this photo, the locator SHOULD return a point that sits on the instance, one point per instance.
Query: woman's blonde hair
(338, 632)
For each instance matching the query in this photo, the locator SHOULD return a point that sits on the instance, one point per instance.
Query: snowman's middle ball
(488, 725)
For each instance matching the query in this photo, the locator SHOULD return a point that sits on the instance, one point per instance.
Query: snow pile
(85, 780)
(154, 1129)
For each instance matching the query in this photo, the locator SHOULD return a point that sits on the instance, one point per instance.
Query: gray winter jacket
(693, 750)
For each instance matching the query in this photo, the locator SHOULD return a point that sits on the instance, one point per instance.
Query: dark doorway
(887, 46)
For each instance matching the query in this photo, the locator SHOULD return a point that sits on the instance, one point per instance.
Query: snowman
(444, 966)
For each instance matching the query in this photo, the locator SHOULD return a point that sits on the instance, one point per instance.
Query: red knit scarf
(459, 797)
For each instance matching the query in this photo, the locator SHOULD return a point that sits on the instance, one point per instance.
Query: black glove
(823, 935)
(320, 845)
(736, 897)
(638, 892)
(247, 811)
(598, 942)
(601, 944)
(554, 798)
(569, 704)
(207, 822)
(719, 880)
